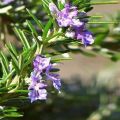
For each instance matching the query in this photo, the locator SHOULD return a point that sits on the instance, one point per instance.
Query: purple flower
(5, 2)
(56, 81)
(53, 8)
(40, 63)
(37, 91)
(35, 76)
(83, 17)
(55, 78)
(86, 37)
(81, 33)
(67, 17)
(75, 22)
(36, 88)
(42, 69)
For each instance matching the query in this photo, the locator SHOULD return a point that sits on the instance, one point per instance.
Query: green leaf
(14, 57)
(40, 25)
(105, 2)
(12, 49)
(26, 54)
(30, 58)
(3, 68)
(4, 62)
(31, 27)
(7, 76)
(46, 29)
(100, 38)
(25, 40)
(22, 91)
(36, 39)
(4, 10)
(26, 58)
(60, 59)
(8, 112)
(87, 9)
(52, 54)
(45, 4)
(60, 5)
(13, 114)
(22, 37)
(116, 57)
(13, 109)
(20, 62)
(14, 62)
(50, 38)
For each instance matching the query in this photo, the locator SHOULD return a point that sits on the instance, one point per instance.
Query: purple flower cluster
(42, 69)
(5, 2)
(70, 18)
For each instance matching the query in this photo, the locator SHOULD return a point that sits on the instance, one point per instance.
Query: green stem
(101, 22)
(41, 49)
(96, 16)
(107, 2)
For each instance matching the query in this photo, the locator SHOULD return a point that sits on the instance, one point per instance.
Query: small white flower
(40, 38)
(33, 39)
(1, 107)
(10, 66)
(70, 34)
(66, 55)
(55, 64)
(27, 80)
(77, 22)
(48, 33)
